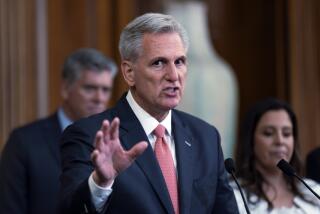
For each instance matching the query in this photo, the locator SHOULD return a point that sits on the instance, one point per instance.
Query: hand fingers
(98, 141)
(110, 131)
(94, 157)
(137, 149)
(105, 128)
(114, 129)
(97, 162)
(98, 147)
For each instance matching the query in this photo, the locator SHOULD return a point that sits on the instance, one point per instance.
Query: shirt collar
(148, 122)
(64, 120)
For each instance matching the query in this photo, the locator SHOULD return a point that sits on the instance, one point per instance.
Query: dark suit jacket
(313, 165)
(141, 188)
(30, 169)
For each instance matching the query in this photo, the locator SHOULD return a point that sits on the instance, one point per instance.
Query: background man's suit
(30, 168)
(202, 180)
(313, 164)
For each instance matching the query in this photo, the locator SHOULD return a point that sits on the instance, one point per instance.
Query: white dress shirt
(99, 195)
(300, 206)
(64, 120)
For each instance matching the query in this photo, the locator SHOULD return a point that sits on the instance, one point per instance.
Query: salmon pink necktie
(165, 161)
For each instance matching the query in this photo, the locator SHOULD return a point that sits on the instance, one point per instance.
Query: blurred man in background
(30, 162)
(313, 164)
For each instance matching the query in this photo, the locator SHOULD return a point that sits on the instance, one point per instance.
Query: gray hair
(130, 43)
(86, 59)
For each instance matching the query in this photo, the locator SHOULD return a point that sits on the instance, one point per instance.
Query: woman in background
(269, 134)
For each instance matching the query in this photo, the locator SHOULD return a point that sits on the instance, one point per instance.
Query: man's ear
(128, 72)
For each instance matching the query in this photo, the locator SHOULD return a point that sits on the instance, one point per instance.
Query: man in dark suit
(313, 165)
(157, 159)
(30, 164)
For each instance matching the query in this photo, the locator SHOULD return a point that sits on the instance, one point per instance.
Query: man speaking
(143, 156)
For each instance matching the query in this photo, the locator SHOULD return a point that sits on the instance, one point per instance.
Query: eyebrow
(272, 126)
(159, 58)
(97, 86)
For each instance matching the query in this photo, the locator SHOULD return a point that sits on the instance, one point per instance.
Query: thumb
(137, 149)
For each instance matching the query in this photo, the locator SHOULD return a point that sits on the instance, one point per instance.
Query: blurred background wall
(273, 47)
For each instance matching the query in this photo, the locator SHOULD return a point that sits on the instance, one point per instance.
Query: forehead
(162, 44)
(275, 118)
(90, 76)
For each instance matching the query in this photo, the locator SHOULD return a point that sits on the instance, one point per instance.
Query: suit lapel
(184, 148)
(131, 132)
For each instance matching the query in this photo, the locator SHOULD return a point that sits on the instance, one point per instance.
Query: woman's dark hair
(252, 179)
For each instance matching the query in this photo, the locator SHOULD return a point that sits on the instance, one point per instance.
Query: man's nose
(172, 72)
(100, 95)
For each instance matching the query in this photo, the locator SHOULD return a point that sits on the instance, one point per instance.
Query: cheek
(80, 98)
(142, 79)
(106, 96)
(257, 151)
(84, 95)
(261, 154)
(260, 146)
(183, 76)
(149, 85)
(291, 146)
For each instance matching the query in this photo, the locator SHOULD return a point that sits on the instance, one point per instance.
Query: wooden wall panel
(273, 47)
(70, 25)
(281, 54)
(244, 34)
(304, 59)
(74, 24)
(18, 102)
(67, 30)
(124, 12)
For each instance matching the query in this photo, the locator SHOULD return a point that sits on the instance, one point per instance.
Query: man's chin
(95, 111)
(171, 105)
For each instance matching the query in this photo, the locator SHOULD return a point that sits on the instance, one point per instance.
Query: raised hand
(109, 158)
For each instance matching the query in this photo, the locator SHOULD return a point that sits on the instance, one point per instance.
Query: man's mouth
(171, 91)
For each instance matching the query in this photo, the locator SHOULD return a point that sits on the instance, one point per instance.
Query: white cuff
(99, 195)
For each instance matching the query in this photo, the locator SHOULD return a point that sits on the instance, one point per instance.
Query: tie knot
(159, 131)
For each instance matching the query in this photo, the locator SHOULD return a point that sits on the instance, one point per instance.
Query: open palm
(109, 157)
